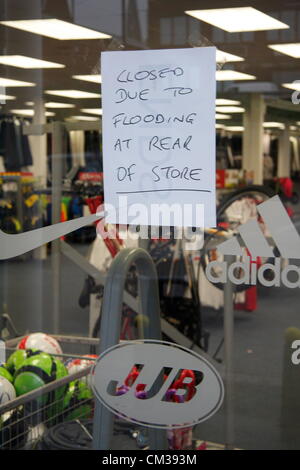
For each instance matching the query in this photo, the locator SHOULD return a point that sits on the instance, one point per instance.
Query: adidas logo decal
(285, 237)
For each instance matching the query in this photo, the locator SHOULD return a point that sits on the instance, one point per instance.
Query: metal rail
(111, 328)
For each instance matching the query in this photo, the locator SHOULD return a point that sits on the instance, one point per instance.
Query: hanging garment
(49, 153)
(2, 167)
(236, 143)
(230, 155)
(221, 152)
(76, 207)
(274, 150)
(14, 146)
(65, 203)
(77, 148)
(267, 143)
(93, 158)
(11, 145)
(274, 145)
(27, 155)
(2, 139)
(19, 141)
(295, 153)
(268, 167)
(66, 157)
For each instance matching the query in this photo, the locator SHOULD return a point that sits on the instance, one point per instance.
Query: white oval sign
(157, 384)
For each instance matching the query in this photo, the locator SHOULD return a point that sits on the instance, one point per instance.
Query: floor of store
(259, 344)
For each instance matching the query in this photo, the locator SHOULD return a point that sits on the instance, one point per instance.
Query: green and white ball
(17, 358)
(78, 401)
(7, 391)
(5, 373)
(39, 370)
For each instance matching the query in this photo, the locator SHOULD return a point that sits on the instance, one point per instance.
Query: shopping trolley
(31, 420)
(24, 420)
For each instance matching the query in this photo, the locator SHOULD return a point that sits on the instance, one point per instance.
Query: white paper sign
(159, 134)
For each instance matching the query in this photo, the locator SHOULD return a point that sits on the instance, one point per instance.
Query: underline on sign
(160, 190)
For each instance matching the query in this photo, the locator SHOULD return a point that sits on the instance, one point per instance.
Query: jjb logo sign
(157, 384)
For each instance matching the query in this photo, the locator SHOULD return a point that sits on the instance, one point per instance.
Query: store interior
(51, 171)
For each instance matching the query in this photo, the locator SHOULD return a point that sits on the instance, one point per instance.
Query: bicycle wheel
(234, 210)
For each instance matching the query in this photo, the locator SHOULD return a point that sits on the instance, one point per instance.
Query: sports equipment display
(42, 342)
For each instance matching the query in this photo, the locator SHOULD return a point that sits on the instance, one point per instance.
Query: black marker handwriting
(169, 143)
(171, 172)
(131, 95)
(124, 119)
(127, 76)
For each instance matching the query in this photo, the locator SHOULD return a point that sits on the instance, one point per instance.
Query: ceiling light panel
(54, 105)
(226, 57)
(29, 112)
(225, 102)
(235, 20)
(83, 118)
(9, 82)
(235, 128)
(97, 111)
(230, 109)
(292, 50)
(75, 94)
(24, 62)
(292, 86)
(275, 125)
(223, 116)
(89, 78)
(231, 75)
(4, 98)
(56, 29)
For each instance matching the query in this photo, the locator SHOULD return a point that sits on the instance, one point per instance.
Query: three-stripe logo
(285, 238)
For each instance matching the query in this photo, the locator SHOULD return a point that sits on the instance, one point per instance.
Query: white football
(41, 341)
(75, 365)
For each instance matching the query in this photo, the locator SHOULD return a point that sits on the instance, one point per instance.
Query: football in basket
(76, 365)
(7, 391)
(42, 342)
(5, 373)
(17, 358)
(39, 370)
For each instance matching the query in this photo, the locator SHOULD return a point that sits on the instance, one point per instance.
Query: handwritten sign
(159, 132)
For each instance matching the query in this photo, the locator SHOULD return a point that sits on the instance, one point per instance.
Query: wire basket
(24, 420)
